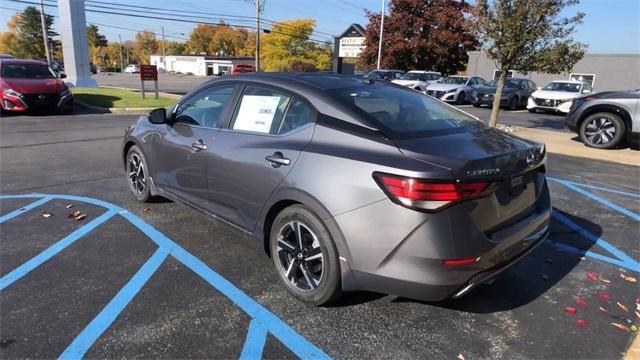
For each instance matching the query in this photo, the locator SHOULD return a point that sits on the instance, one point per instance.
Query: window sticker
(256, 113)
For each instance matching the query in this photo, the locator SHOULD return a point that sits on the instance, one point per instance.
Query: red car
(32, 85)
(242, 68)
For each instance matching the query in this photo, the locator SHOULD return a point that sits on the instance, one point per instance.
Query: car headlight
(450, 91)
(12, 92)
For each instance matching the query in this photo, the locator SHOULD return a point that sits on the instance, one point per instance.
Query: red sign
(148, 72)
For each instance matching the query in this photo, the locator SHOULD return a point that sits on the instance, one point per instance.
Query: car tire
(602, 130)
(513, 103)
(311, 278)
(476, 104)
(460, 98)
(138, 178)
(533, 111)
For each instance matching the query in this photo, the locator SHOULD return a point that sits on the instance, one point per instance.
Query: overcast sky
(611, 26)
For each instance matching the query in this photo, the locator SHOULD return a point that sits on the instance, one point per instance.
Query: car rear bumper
(414, 267)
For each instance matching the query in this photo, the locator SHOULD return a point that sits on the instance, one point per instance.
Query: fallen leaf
(638, 314)
(582, 323)
(604, 297)
(582, 258)
(69, 206)
(622, 306)
(603, 309)
(628, 278)
(74, 214)
(460, 356)
(80, 217)
(580, 301)
(146, 210)
(46, 214)
(570, 310)
(620, 326)
(633, 328)
(592, 276)
(605, 281)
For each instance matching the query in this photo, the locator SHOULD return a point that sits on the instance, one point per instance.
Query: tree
(175, 48)
(289, 41)
(96, 42)
(527, 35)
(27, 40)
(200, 38)
(420, 34)
(144, 46)
(302, 66)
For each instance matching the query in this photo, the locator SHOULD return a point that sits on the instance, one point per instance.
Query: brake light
(462, 261)
(428, 194)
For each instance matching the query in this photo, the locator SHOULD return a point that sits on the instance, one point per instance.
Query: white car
(418, 79)
(132, 69)
(557, 96)
(457, 89)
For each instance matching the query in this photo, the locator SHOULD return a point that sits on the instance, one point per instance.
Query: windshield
(27, 71)
(457, 80)
(562, 86)
(508, 82)
(413, 76)
(406, 113)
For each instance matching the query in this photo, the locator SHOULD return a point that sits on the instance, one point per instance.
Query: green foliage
(175, 48)
(527, 35)
(289, 41)
(26, 39)
(97, 42)
(144, 46)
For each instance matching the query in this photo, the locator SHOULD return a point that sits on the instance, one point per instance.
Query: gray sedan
(456, 89)
(348, 184)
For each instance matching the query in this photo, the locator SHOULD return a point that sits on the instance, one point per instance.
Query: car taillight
(430, 195)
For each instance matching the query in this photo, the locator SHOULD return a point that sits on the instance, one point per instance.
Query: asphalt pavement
(112, 292)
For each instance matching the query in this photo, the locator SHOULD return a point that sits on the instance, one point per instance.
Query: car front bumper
(552, 105)
(404, 254)
(62, 101)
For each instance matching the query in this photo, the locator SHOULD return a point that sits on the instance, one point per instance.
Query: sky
(610, 26)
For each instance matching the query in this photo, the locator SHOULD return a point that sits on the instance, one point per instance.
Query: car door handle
(199, 145)
(277, 159)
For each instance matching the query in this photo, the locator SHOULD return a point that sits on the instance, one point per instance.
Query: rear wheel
(602, 130)
(533, 110)
(305, 256)
(460, 98)
(475, 104)
(137, 174)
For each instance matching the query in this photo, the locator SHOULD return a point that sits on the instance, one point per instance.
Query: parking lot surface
(161, 280)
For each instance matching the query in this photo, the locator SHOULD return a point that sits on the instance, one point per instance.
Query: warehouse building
(201, 65)
(603, 71)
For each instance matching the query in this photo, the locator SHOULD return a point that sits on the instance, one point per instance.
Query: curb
(160, 93)
(634, 350)
(119, 111)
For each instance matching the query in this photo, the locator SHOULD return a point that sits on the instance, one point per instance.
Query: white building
(202, 65)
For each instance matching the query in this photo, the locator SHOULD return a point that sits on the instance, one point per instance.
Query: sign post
(148, 73)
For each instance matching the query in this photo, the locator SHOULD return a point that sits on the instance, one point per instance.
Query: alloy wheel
(600, 131)
(300, 256)
(137, 173)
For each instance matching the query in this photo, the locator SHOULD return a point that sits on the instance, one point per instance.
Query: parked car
(132, 69)
(7, 56)
(242, 68)
(347, 184)
(456, 89)
(386, 75)
(418, 80)
(514, 94)
(32, 85)
(604, 119)
(557, 96)
(92, 68)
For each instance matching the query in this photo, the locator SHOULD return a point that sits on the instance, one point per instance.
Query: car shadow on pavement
(532, 276)
(555, 122)
(625, 144)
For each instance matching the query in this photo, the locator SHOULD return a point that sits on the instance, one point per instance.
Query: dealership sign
(350, 46)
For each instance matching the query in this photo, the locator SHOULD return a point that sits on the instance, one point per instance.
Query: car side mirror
(586, 91)
(63, 76)
(158, 116)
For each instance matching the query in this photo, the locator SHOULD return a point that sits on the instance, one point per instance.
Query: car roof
(22, 61)
(460, 76)
(569, 81)
(424, 72)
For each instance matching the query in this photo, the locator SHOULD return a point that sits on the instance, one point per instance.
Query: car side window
(205, 108)
(261, 110)
(532, 85)
(298, 114)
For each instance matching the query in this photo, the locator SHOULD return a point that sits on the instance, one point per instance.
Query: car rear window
(406, 113)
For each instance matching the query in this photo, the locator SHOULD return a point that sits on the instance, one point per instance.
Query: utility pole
(257, 35)
(121, 63)
(44, 33)
(381, 31)
(164, 60)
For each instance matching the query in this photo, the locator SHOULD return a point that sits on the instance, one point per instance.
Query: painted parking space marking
(262, 321)
(620, 258)
(24, 209)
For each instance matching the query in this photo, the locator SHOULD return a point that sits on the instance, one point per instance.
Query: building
(346, 49)
(201, 65)
(604, 71)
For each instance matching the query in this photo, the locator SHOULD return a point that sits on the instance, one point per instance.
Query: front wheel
(533, 110)
(138, 174)
(460, 98)
(602, 130)
(305, 256)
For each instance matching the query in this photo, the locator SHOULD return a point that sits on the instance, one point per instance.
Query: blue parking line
(256, 338)
(110, 312)
(601, 188)
(24, 209)
(589, 253)
(47, 254)
(263, 317)
(575, 187)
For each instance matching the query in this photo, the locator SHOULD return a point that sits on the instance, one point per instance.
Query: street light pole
(381, 31)
(257, 35)
(44, 33)
(164, 61)
(121, 64)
